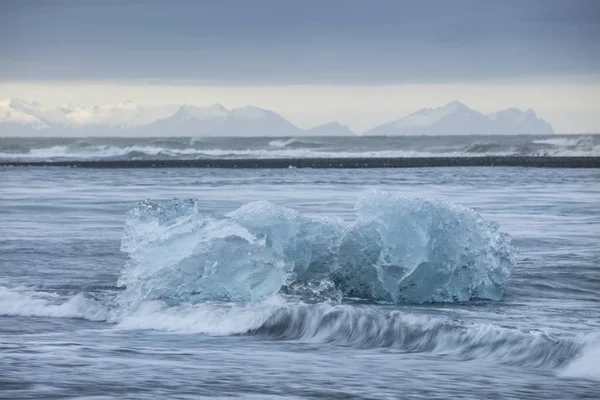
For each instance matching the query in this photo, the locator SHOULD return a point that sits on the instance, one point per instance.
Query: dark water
(30, 149)
(62, 335)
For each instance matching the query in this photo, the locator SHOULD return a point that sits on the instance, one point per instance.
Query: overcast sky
(299, 57)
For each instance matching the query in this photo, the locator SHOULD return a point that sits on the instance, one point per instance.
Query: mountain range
(457, 119)
(21, 118)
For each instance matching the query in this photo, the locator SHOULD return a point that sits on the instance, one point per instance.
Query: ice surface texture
(397, 249)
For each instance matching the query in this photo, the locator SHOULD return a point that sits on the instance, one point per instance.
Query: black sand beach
(420, 162)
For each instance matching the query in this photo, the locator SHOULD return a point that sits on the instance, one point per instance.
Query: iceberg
(397, 249)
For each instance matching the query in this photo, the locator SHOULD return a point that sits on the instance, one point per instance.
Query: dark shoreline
(425, 162)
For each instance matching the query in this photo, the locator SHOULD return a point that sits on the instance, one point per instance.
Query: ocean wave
(369, 327)
(564, 142)
(281, 143)
(357, 326)
(210, 318)
(570, 147)
(489, 148)
(294, 142)
(197, 148)
(364, 327)
(26, 302)
(62, 152)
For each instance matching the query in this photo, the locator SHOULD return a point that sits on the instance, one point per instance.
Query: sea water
(175, 148)
(66, 333)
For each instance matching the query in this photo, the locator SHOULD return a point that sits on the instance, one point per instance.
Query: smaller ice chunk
(179, 254)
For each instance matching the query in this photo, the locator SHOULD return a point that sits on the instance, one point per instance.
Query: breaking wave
(26, 302)
(78, 152)
(578, 146)
(295, 143)
(357, 326)
(364, 327)
(24, 149)
(368, 327)
(281, 143)
(56, 153)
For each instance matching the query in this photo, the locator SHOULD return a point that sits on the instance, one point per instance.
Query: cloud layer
(281, 42)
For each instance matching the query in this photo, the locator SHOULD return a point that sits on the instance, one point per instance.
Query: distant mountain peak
(182, 113)
(456, 105)
(333, 123)
(513, 114)
(184, 109)
(219, 107)
(456, 118)
(187, 111)
(216, 120)
(333, 128)
(18, 116)
(429, 116)
(250, 112)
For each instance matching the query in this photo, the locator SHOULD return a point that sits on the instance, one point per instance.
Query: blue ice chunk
(398, 249)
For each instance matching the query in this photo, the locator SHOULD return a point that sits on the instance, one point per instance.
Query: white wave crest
(281, 143)
(217, 319)
(25, 302)
(136, 152)
(357, 326)
(569, 147)
(93, 152)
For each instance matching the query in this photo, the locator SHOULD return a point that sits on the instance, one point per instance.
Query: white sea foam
(25, 302)
(561, 142)
(92, 152)
(219, 319)
(569, 147)
(102, 152)
(587, 365)
(281, 143)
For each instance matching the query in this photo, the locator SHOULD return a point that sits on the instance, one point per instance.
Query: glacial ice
(397, 249)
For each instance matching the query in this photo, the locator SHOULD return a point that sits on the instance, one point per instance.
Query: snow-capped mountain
(218, 121)
(22, 118)
(18, 117)
(519, 122)
(330, 129)
(457, 119)
(188, 113)
(186, 121)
